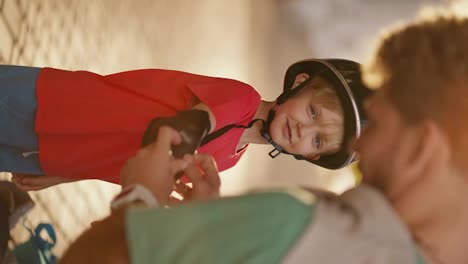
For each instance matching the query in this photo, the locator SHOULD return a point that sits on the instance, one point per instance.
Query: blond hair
(423, 67)
(325, 95)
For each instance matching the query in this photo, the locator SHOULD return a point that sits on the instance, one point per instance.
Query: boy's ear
(300, 78)
(313, 157)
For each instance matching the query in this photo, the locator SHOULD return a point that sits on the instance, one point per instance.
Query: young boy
(81, 125)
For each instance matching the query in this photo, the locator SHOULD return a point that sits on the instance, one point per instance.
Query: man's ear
(300, 78)
(430, 146)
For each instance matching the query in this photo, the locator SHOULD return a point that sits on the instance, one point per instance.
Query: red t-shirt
(89, 125)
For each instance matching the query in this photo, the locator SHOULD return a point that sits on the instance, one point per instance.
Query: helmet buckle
(274, 153)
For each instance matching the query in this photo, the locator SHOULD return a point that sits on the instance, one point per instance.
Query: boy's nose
(304, 130)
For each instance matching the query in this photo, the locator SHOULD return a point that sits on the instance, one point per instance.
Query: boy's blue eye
(317, 141)
(313, 112)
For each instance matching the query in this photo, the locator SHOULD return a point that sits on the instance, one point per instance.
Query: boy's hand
(154, 166)
(205, 179)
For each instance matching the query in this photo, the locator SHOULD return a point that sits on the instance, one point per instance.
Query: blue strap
(40, 242)
(44, 246)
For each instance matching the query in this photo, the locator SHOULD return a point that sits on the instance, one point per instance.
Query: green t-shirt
(264, 226)
(267, 227)
(419, 258)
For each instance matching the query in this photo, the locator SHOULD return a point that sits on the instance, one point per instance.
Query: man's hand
(154, 166)
(205, 179)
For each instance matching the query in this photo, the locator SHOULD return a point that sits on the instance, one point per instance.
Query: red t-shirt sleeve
(230, 101)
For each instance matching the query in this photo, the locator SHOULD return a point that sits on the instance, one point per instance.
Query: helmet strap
(216, 134)
(265, 132)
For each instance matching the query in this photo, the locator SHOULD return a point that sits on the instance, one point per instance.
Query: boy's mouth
(288, 131)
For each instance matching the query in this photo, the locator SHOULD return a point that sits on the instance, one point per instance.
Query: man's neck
(436, 211)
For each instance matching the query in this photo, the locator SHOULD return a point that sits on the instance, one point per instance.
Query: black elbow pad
(193, 125)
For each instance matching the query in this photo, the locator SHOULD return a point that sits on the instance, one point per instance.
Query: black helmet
(345, 75)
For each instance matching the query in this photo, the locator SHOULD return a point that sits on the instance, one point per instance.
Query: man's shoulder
(355, 227)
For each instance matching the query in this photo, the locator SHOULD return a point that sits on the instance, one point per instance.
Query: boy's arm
(30, 182)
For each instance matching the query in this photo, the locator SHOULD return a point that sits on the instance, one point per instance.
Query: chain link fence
(58, 33)
(108, 36)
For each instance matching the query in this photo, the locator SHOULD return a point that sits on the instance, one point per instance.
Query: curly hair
(423, 68)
